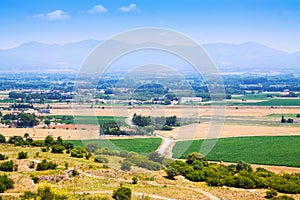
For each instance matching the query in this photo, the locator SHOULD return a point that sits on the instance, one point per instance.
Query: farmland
(275, 150)
(89, 120)
(270, 102)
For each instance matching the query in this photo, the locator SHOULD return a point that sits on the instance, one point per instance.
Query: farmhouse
(190, 99)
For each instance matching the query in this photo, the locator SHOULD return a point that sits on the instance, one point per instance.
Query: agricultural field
(89, 120)
(271, 102)
(274, 150)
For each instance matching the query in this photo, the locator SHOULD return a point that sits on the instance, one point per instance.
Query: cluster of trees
(140, 120)
(241, 175)
(111, 128)
(21, 120)
(159, 123)
(38, 97)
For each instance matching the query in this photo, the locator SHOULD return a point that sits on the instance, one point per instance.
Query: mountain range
(245, 57)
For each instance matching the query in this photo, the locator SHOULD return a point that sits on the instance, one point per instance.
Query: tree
(48, 140)
(195, 156)
(22, 155)
(156, 157)
(171, 172)
(283, 120)
(47, 122)
(26, 135)
(241, 165)
(122, 193)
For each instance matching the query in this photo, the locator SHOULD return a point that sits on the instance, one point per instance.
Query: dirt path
(207, 194)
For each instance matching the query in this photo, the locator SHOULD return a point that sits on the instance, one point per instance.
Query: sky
(275, 23)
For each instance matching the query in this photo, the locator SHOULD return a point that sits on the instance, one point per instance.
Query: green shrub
(22, 155)
(3, 157)
(57, 148)
(69, 145)
(283, 197)
(48, 140)
(196, 156)
(5, 183)
(28, 195)
(78, 152)
(44, 149)
(35, 179)
(171, 172)
(38, 143)
(156, 157)
(31, 165)
(100, 159)
(7, 166)
(241, 165)
(271, 193)
(143, 162)
(134, 180)
(2, 139)
(45, 165)
(126, 166)
(16, 140)
(122, 193)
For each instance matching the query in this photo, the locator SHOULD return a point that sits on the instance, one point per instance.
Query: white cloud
(98, 9)
(54, 15)
(131, 8)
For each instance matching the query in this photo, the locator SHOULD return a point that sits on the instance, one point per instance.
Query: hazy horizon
(274, 24)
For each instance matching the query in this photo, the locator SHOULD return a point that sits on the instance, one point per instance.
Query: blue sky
(275, 23)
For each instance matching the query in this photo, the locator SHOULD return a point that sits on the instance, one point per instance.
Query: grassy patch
(272, 102)
(139, 145)
(270, 150)
(252, 96)
(278, 115)
(90, 120)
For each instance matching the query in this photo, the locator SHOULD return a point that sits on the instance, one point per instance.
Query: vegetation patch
(270, 150)
(138, 145)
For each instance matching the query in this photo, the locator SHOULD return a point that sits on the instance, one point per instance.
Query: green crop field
(139, 145)
(252, 96)
(91, 120)
(272, 102)
(279, 115)
(270, 150)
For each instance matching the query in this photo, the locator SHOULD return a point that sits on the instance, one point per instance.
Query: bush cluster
(101, 159)
(5, 183)
(122, 193)
(7, 166)
(241, 175)
(46, 192)
(22, 155)
(46, 165)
